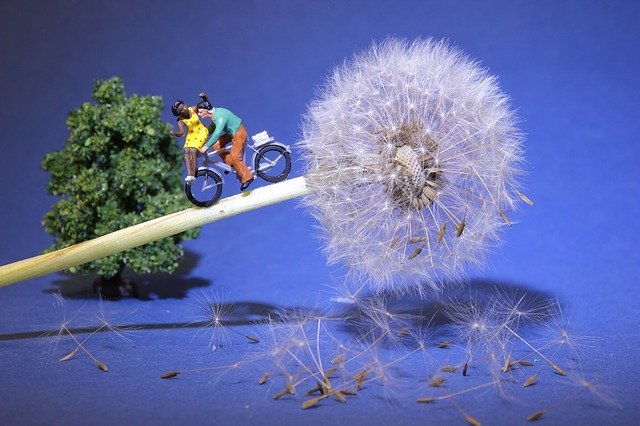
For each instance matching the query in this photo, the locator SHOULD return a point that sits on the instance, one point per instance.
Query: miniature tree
(119, 167)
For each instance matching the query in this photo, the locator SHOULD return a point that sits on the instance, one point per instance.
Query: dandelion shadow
(392, 312)
(149, 287)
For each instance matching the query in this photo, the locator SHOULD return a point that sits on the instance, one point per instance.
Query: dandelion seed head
(403, 139)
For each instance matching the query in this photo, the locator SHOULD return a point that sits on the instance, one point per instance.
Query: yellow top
(198, 133)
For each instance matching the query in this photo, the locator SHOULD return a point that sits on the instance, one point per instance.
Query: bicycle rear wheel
(273, 163)
(205, 190)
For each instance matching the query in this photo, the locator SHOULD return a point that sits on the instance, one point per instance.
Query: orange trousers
(235, 155)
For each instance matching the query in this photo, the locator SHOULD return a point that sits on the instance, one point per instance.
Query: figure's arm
(220, 123)
(181, 130)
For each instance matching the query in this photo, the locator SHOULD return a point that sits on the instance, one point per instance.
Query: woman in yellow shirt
(197, 134)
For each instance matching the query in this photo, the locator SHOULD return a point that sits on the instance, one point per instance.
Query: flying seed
(169, 374)
(359, 378)
(101, 365)
(318, 388)
(464, 369)
(338, 359)
(339, 396)
(415, 240)
(311, 402)
(505, 218)
(471, 420)
(525, 363)
(426, 400)
(289, 390)
(449, 368)
(329, 372)
(437, 381)
(444, 345)
(69, 355)
(252, 339)
(536, 416)
(525, 198)
(559, 370)
(441, 232)
(507, 364)
(415, 253)
(531, 381)
(460, 228)
(263, 379)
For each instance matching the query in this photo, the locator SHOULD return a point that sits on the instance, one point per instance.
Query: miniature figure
(197, 133)
(271, 161)
(228, 128)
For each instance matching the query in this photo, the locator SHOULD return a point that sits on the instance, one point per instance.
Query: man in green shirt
(228, 128)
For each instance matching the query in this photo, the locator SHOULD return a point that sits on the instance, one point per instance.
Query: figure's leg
(236, 154)
(191, 162)
(221, 143)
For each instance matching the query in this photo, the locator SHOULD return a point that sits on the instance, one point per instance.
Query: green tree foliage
(119, 167)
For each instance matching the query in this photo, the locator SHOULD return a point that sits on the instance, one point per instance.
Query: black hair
(204, 103)
(174, 107)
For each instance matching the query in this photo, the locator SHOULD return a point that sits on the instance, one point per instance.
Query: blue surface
(571, 68)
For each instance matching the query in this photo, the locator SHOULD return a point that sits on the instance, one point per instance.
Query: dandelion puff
(413, 156)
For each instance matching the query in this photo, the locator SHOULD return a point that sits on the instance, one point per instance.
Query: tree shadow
(148, 287)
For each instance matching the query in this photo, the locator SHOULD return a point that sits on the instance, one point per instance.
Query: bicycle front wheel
(273, 163)
(205, 190)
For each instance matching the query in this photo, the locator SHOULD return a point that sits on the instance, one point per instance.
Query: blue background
(571, 69)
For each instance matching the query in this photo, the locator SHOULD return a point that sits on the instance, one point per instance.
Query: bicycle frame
(219, 167)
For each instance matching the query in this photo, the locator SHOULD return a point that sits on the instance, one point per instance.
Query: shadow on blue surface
(148, 287)
(408, 310)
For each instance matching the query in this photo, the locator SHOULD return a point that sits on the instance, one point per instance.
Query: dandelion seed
(444, 345)
(464, 369)
(169, 374)
(329, 372)
(441, 233)
(359, 378)
(471, 420)
(252, 339)
(505, 218)
(263, 379)
(536, 416)
(403, 332)
(531, 381)
(69, 355)
(289, 390)
(448, 368)
(415, 240)
(460, 227)
(101, 365)
(318, 388)
(426, 400)
(525, 363)
(558, 370)
(348, 392)
(415, 253)
(437, 381)
(507, 364)
(338, 359)
(339, 396)
(312, 402)
(525, 198)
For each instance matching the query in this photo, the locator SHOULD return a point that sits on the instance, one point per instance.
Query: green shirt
(226, 123)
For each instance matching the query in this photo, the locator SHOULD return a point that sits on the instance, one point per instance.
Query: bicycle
(271, 161)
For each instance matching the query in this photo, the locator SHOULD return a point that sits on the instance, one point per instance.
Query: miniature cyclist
(197, 133)
(228, 128)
